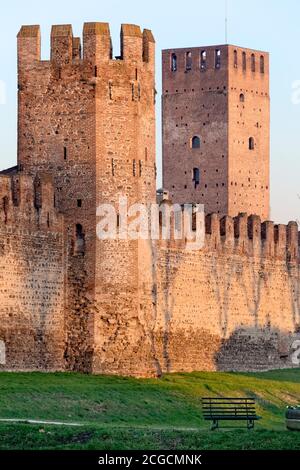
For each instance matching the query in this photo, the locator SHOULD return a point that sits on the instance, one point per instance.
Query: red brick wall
(205, 103)
(32, 266)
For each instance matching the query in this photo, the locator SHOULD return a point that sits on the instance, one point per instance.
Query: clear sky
(271, 25)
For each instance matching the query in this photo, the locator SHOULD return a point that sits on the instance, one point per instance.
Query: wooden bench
(229, 409)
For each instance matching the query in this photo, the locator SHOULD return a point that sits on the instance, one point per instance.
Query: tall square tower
(216, 128)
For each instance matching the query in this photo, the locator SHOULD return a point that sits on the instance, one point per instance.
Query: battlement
(244, 235)
(28, 204)
(219, 57)
(249, 236)
(136, 46)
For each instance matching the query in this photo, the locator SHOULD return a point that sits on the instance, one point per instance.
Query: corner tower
(216, 128)
(89, 120)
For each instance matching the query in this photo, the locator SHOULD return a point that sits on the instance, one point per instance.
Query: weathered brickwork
(70, 300)
(233, 305)
(32, 277)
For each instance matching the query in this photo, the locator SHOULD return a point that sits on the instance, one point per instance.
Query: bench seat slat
(206, 407)
(228, 403)
(232, 418)
(228, 399)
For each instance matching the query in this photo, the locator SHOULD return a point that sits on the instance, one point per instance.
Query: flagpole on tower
(226, 21)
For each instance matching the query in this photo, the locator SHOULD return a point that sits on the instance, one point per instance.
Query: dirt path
(33, 421)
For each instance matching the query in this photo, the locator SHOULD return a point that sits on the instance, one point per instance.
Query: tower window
(218, 59)
(195, 142)
(253, 65)
(188, 61)
(196, 176)
(79, 203)
(244, 61)
(203, 57)
(242, 98)
(235, 59)
(262, 64)
(65, 153)
(173, 62)
(251, 143)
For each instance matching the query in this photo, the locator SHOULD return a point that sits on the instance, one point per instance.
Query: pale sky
(271, 25)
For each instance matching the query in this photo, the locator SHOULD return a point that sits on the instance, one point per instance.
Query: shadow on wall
(257, 349)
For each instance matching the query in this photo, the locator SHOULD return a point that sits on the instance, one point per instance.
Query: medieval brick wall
(32, 287)
(234, 305)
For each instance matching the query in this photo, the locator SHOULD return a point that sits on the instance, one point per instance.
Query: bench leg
(250, 424)
(215, 425)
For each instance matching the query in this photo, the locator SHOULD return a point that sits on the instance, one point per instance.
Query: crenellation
(18, 203)
(292, 242)
(148, 47)
(61, 44)
(97, 44)
(280, 235)
(241, 233)
(131, 43)
(212, 227)
(29, 45)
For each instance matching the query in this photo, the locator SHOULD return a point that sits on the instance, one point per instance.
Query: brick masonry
(224, 104)
(86, 135)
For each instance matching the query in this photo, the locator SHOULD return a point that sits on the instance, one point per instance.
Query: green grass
(125, 413)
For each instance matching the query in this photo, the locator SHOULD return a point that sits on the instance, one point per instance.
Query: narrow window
(96, 71)
(110, 87)
(244, 61)
(262, 64)
(188, 61)
(173, 62)
(251, 143)
(195, 142)
(140, 167)
(136, 74)
(235, 59)
(253, 63)
(203, 58)
(65, 153)
(5, 208)
(113, 167)
(134, 167)
(218, 58)
(79, 203)
(196, 176)
(242, 98)
(79, 240)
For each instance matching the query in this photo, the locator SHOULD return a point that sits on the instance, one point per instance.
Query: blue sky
(271, 25)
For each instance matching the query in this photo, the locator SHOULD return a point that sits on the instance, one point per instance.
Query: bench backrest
(228, 407)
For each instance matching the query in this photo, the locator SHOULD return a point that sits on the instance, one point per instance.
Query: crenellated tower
(89, 120)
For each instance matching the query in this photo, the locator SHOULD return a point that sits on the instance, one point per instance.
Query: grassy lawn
(124, 413)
